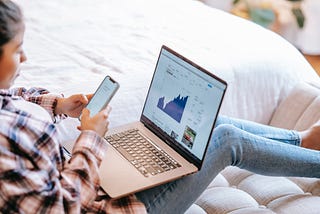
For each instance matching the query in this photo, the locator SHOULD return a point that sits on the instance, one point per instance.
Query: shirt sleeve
(43, 98)
(129, 204)
(82, 168)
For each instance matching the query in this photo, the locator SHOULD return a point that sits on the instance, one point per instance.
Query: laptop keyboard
(147, 158)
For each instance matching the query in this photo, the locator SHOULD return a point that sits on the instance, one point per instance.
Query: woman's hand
(73, 105)
(98, 123)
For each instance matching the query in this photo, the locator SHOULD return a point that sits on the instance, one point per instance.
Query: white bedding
(71, 45)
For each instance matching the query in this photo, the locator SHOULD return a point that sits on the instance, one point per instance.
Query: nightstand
(314, 60)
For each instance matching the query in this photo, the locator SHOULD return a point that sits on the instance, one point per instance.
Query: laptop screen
(182, 104)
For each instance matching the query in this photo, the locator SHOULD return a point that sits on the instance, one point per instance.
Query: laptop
(171, 138)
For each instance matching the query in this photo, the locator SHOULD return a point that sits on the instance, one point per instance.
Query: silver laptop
(172, 136)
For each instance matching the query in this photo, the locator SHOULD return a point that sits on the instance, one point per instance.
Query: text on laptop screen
(183, 101)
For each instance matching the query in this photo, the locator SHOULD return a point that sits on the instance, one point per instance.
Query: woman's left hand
(73, 105)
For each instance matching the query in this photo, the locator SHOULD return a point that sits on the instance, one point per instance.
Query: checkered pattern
(34, 175)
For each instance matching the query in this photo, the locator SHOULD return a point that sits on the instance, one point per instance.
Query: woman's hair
(10, 19)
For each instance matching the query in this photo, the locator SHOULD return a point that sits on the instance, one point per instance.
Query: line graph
(173, 108)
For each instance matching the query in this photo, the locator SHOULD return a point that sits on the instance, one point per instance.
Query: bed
(71, 45)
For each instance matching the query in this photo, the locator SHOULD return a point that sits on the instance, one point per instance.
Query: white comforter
(72, 44)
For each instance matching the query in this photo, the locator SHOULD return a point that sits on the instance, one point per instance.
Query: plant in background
(297, 12)
(269, 12)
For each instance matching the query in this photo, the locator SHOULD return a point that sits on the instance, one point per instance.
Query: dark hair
(10, 18)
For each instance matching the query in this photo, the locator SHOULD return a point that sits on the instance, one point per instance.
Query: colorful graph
(173, 108)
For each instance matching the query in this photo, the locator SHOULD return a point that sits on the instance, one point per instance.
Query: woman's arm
(43, 98)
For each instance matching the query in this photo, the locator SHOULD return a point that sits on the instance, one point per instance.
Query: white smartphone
(103, 95)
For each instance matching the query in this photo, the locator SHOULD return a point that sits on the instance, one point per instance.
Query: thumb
(89, 96)
(85, 112)
(83, 99)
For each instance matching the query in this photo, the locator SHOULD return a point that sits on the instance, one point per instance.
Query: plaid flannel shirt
(34, 175)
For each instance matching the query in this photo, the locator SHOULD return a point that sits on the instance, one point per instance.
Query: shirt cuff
(92, 141)
(49, 102)
(57, 117)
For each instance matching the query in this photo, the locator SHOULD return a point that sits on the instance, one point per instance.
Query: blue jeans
(255, 147)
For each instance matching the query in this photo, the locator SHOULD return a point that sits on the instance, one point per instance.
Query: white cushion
(239, 191)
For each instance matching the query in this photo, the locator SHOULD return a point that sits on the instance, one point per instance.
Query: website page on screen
(183, 101)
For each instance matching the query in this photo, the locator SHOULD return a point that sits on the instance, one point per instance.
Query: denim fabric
(259, 148)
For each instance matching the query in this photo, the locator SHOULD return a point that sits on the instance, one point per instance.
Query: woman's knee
(225, 135)
(223, 130)
(221, 120)
(226, 140)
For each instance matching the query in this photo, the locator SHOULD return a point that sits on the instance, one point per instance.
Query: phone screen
(103, 95)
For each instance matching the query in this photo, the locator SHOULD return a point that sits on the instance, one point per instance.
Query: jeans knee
(227, 141)
(225, 135)
(225, 130)
(222, 120)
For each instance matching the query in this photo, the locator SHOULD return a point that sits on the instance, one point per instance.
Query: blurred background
(298, 21)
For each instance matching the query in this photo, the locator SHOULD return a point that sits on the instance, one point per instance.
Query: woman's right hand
(98, 123)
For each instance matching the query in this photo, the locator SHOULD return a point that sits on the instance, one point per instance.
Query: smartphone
(102, 95)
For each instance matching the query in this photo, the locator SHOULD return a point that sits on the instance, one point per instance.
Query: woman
(35, 177)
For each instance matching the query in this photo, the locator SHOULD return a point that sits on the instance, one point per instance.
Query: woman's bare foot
(311, 137)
